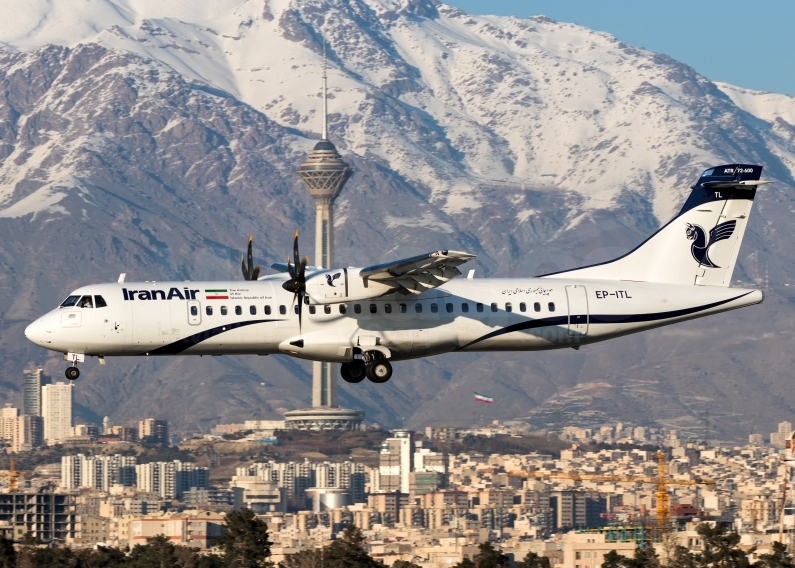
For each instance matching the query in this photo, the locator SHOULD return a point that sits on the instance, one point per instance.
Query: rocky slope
(150, 138)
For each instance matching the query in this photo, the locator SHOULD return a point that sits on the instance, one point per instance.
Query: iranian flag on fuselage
(217, 294)
(483, 398)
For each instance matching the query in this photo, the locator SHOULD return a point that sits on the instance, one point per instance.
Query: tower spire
(325, 93)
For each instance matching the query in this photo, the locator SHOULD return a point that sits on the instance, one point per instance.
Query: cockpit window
(70, 301)
(100, 302)
(86, 302)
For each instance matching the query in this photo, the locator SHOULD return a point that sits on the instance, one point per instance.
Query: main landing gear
(72, 373)
(373, 366)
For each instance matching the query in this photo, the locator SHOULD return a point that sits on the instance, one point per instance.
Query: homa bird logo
(700, 247)
(330, 279)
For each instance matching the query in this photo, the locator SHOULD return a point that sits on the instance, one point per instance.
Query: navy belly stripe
(188, 342)
(600, 319)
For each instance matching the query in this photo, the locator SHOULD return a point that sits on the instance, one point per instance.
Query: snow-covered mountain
(150, 137)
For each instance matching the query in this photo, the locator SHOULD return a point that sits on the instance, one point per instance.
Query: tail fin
(698, 246)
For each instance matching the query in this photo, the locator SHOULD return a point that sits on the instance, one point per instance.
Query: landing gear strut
(353, 372)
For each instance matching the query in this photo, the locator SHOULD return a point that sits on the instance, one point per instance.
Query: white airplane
(365, 318)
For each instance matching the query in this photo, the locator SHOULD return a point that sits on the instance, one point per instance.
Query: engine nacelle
(342, 285)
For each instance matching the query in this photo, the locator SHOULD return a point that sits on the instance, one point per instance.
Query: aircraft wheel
(353, 372)
(72, 373)
(379, 371)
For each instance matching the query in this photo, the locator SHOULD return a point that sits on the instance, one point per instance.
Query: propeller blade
(296, 255)
(243, 267)
(255, 272)
(250, 258)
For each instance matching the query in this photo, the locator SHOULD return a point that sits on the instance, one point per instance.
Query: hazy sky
(749, 44)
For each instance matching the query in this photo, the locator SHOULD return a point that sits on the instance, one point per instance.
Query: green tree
(779, 558)
(682, 558)
(245, 542)
(158, 552)
(404, 564)
(533, 560)
(490, 557)
(307, 558)
(465, 563)
(8, 556)
(613, 560)
(101, 557)
(348, 551)
(721, 548)
(643, 558)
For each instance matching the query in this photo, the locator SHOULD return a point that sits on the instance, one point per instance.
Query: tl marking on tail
(700, 247)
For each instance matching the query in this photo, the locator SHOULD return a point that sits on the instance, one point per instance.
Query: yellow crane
(661, 480)
(13, 476)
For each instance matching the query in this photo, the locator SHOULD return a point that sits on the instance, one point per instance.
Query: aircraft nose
(35, 332)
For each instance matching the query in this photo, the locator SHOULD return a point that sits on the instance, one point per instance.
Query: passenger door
(578, 309)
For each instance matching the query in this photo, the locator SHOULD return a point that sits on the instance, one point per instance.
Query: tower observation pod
(324, 173)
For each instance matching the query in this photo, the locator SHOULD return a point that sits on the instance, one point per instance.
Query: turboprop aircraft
(367, 318)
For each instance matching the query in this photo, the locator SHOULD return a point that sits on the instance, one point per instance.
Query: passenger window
(537, 307)
(223, 310)
(449, 308)
(194, 310)
(552, 306)
(267, 310)
(70, 301)
(100, 302)
(343, 308)
(388, 308)
(465, 308)
(238, 310)
(326, 309)
(480, 307)
(86, 302)
(494, 307)
(403, 308)
(208, 310)
(357, 308)
(373, 309)
(312, 310)
(508, 307)
(434, 308)
(418, 308)
(252, 310)
(522, 307)
(283, 310)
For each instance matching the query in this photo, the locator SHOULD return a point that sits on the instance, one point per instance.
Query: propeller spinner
(250, 272)
(297, 282)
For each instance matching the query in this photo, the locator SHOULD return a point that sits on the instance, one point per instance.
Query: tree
(404, 564)
(8, 556)
(101, 557)
(643, 558)
(465, 563)
(681, 558)
(245, 542)
(533, 560)
(720, 548)
(348, 551)
(158, 552)
(613, 560)
(490, 557)
(779, 558)
(307, 558)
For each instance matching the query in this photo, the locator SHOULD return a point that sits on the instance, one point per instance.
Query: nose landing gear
(72, 373)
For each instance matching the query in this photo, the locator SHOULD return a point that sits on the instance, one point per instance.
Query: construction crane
(13, 476)
(662, 481)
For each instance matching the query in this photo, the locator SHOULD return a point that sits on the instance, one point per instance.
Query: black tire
(379, 371)
(353, 372)
(72, 373)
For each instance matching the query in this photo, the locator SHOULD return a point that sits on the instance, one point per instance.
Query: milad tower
(324, 173)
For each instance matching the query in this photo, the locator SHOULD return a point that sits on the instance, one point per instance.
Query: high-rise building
(171, 479)
(8, 419)
(153, 430)
(56, 409)
(28, 433)
(98, 472)
(396, 462)
(31, 391)
(324, 173)
(106, 425)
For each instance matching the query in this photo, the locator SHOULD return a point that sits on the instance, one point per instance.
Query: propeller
(250, 272)
(297, 282)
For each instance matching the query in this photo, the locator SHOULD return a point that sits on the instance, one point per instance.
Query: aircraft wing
(419, 273)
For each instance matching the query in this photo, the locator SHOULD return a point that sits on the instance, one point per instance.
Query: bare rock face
(155, 148)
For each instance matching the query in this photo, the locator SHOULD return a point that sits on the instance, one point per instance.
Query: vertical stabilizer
(701, 244)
